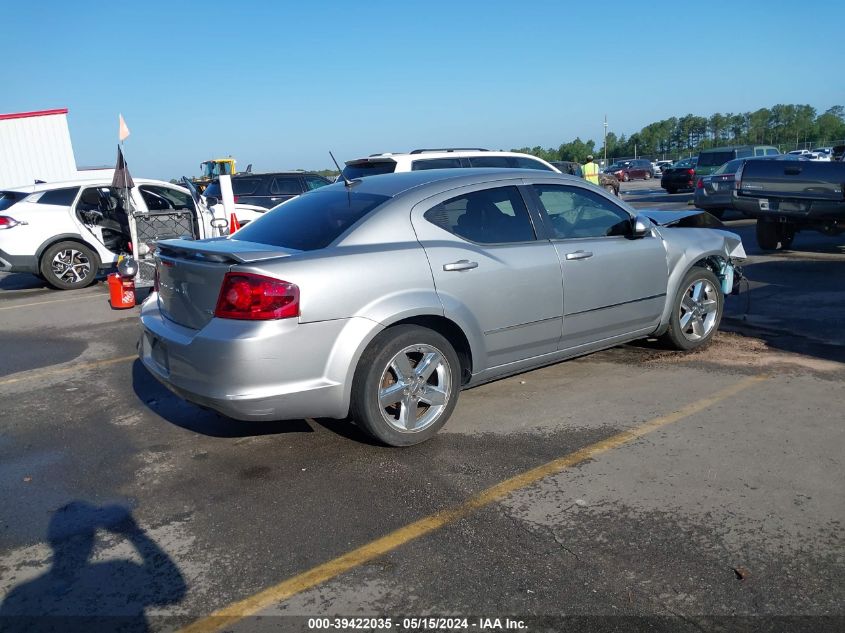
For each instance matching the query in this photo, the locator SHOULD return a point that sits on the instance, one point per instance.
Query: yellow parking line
(286, 589)
(32, 375)
(41, 303)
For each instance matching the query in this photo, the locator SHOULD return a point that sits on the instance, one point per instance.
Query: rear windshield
(310, 222)
(730, 167)
(712, 159)
(360, 170)
(8, 198)
(240, 187)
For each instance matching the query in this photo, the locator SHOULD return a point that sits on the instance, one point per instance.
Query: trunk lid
(190, 274)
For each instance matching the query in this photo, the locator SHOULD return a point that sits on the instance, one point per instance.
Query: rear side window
(60, 197)
(772, 152)
(8, 198)
(490, 216)
(286, 186)
(361, 170)
(240, 187)
(436, 163)
(310, 222)
(730, 167)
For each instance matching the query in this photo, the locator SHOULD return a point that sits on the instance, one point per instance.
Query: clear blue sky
(280, 83)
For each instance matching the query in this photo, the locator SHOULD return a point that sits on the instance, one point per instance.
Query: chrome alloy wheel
(415, 388)
(699, 309)
(71, 266)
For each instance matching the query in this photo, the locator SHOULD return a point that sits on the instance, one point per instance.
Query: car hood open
(695, 218)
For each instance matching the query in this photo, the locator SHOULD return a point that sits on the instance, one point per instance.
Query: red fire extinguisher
(122, 284)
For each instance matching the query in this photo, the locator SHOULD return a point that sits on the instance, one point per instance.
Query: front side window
(285, 186)
(491, 161)
(529, 163)
(577, 213)
(165, 199)
(489, 216)
(772, 152)
(436, 163)
(315, 182)
(60, 197)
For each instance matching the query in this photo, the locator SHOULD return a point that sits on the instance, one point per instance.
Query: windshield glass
(711, 159)
(312, 221)
(360, 170)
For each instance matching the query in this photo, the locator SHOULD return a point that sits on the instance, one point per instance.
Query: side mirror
(210, 201)
(640, 227)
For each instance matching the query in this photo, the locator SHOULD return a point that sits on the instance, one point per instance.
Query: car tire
(696, 310)
(648, 176)
(419, 369)
(625, 178)
(610, 189)
(69, 265)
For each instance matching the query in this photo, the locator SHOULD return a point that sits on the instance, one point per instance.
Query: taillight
(256, 298)
(8, 223)
(738, 177)
(236, 199)
(691, 172)
(700, 184)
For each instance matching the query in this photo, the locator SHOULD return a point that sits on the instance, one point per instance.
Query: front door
(612, 284)
(491, 273)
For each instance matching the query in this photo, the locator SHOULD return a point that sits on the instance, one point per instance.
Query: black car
(679, 176)
(268, 190)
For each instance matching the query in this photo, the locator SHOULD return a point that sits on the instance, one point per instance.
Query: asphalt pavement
(633, 489)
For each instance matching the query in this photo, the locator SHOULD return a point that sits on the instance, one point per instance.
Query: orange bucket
(121, 292)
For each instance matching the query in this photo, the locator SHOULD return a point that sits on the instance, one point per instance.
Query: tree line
(786, 126)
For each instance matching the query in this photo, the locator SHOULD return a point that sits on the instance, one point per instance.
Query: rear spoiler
(221, 250)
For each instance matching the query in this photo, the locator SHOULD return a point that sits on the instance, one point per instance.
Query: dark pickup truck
(787, 197)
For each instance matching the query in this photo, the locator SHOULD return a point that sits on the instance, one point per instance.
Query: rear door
(612, 285)
(491, 272)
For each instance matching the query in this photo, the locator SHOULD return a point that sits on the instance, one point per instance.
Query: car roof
(84, 182)
(290, 172)
(392, 185)
(436, 153)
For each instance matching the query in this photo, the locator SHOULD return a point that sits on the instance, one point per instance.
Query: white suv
(445, 158)
(65, 232)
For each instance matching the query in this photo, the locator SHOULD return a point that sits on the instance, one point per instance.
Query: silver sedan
(383, 298)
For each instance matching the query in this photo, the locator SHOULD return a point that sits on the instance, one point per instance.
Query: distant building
(36, 146)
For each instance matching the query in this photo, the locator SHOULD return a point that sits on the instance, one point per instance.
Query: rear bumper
(811, 211)
(18, 263)
(712, 201)
(269, 370)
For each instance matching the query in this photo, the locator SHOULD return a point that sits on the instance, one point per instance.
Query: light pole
(605, 140)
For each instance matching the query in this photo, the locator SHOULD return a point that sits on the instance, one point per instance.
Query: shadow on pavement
(78, 594)
(181, 413)
(21, 281)
(794, 305)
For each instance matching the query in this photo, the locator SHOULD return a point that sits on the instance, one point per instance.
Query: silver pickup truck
(789, 196)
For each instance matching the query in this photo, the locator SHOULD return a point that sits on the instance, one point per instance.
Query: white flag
(124, 129)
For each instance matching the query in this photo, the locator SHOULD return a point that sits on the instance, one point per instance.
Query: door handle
(579, 255)
(461, 264)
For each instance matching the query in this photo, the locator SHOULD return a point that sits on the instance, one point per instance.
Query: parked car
(607, 182)
(384, 298)
(788, 197)
(714, 193)
(444, 158)
(663, 164)
(626, 170)
(269, 190)
(66, 232)
(800, 152)
(679, 176)
(709, 160)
